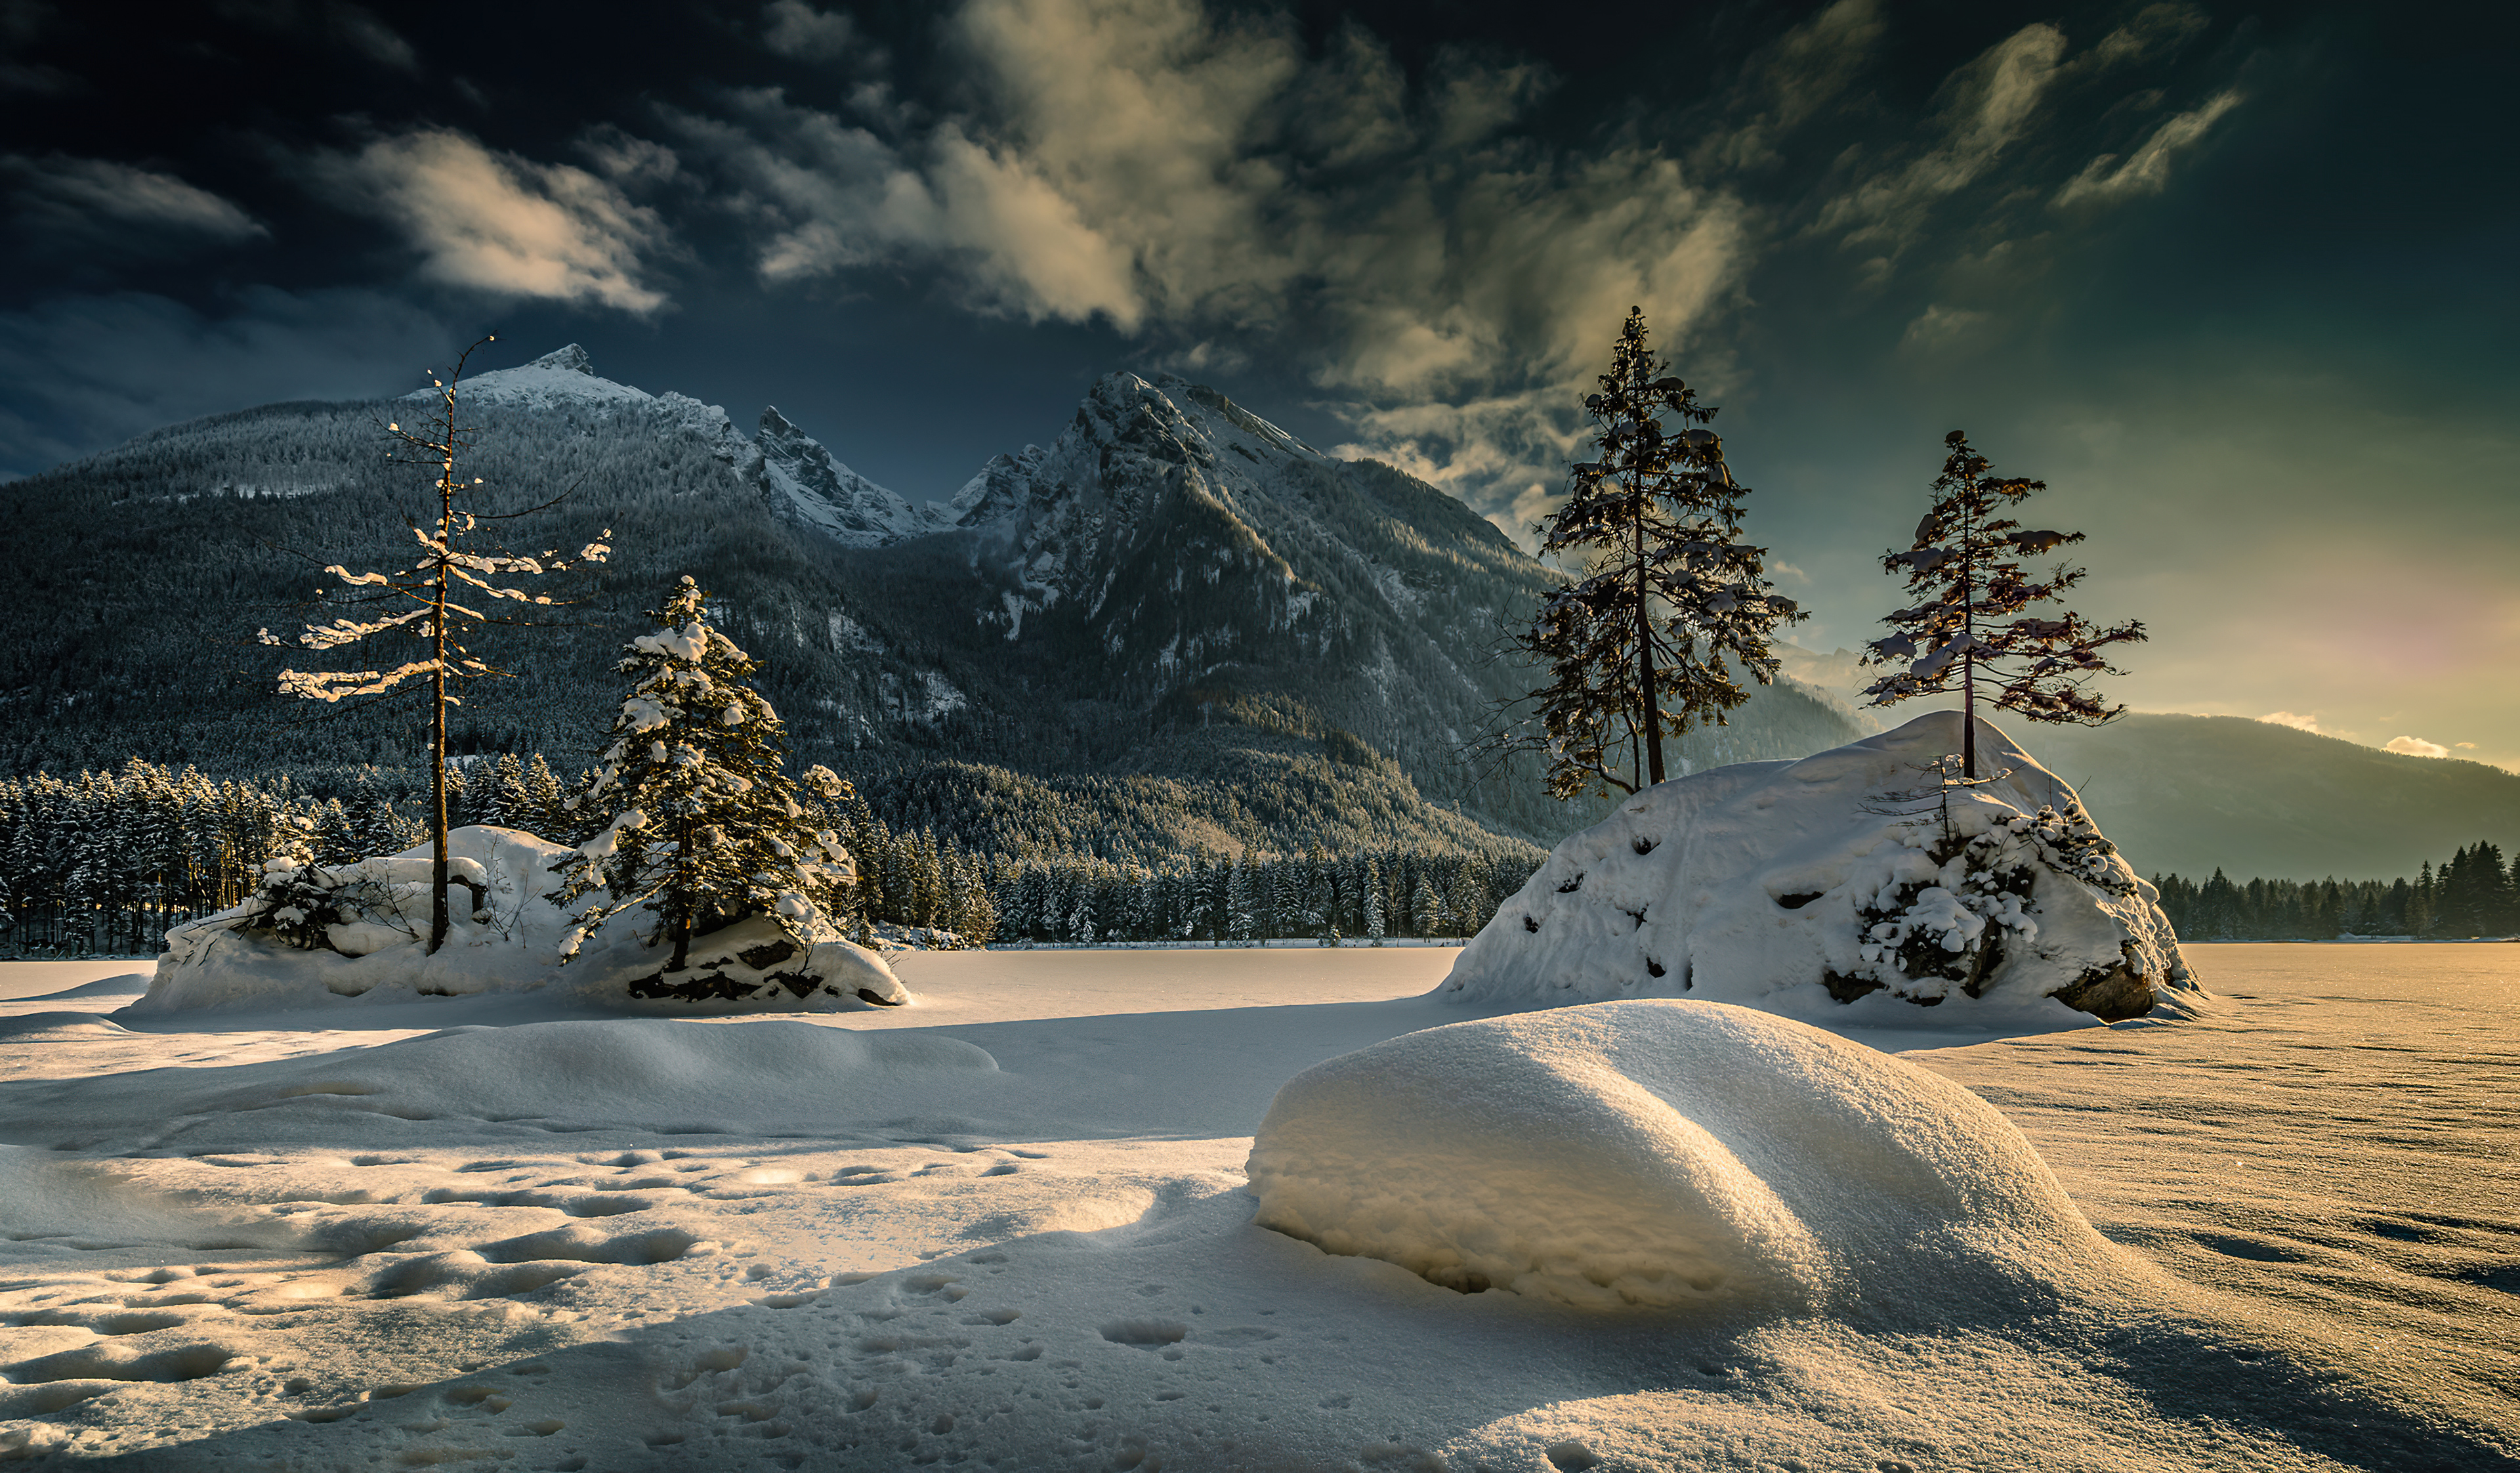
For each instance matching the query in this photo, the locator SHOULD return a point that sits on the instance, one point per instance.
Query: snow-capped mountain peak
(560, 378)
(806, 483)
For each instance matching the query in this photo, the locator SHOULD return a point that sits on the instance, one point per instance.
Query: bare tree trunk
(1968, 719)
(437, 721)
(1968, 658)
(679, 900)
(1644, 660)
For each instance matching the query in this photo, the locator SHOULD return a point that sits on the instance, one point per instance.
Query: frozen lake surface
(239, 1242)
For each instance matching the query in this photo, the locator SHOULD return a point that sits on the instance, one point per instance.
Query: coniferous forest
(104, 862)
(2472, 894)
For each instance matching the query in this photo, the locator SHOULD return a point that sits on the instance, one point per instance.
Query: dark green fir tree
(1670, 612)
(698, 825)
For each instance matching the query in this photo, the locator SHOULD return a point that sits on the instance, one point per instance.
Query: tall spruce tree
(1968, 620)
(699, 826)
(432, 599)
(1645, 642)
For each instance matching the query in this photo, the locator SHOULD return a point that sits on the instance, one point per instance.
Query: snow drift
(504, 937)
(1661, 1154)
(1852, 874)
(625, 1073)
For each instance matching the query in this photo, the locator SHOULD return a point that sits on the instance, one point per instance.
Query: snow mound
(505, 936)
(1660, 1154)
(1850, 877)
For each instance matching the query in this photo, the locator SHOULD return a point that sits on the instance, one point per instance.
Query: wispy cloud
(2106, 179)
(498, 223)
(1986, 105)
(1939, 325)
(795, 28)
(374, 38)
(2294, 719)
(92, 200)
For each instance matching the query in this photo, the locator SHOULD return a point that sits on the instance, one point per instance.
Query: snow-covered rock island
(364, 928)
(1850, 885)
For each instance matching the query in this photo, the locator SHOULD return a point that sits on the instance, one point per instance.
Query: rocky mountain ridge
(1172, 592)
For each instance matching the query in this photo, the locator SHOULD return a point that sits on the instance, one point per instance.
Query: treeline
(1370, 893)
(104, 862)
(2473, 893)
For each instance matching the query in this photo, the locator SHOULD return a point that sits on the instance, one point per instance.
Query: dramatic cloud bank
(1445, 275)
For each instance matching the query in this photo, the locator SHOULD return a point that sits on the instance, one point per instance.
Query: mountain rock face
(1176, 626)
(805, 484)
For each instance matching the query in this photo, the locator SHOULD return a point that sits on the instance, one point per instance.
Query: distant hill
(2185, 794)
(1172, 627)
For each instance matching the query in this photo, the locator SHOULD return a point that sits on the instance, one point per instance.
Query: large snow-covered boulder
(1855, 876)
(505, 935)
(1665, 1154)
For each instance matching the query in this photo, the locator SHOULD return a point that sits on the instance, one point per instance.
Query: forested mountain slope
(1173, 609)
(2188, 795)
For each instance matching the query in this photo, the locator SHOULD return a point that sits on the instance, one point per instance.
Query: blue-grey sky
(2236, 281)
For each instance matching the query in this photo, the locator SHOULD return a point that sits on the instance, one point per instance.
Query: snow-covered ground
(1005, 1227)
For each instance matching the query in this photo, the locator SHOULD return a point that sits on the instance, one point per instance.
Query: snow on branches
(1968, 619)
(696, 821)
(423, 600)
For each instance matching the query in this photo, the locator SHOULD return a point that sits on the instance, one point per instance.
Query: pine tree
(1644, 642)
(704, 828)
(1424, 910)
(429, 599)
(1965, 574)
(503, 793)
(542, 802)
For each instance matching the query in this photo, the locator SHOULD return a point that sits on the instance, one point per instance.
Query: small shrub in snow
(350, 909)
(1919, 935)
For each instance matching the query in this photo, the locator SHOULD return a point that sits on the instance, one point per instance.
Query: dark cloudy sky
(2237, 281)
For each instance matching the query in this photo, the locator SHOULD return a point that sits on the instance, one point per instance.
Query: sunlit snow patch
(504, 936)
(1854, 874)
(1660, 1154)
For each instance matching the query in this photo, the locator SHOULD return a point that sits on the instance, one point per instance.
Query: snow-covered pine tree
(1425, 911)
(503, 804)
(1965, 574)
(543, 801)
(432, 600)
(1642, 643)
(700, 826)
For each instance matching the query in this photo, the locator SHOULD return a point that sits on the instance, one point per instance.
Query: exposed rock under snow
(1850, 877)
(1663, 1154)
(503, 937)
(807, 484)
